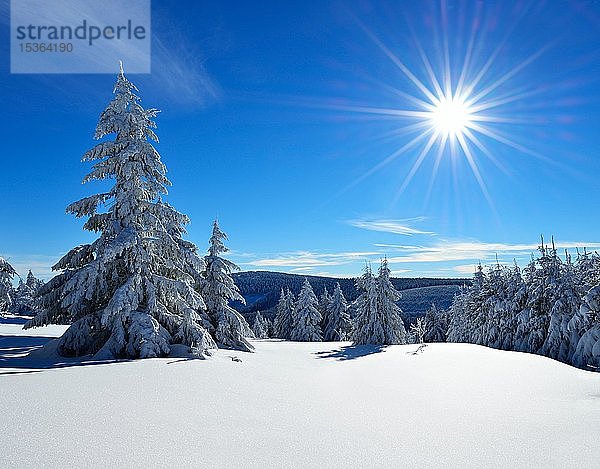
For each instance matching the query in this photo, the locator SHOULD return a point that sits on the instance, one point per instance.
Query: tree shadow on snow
(14, 319)
(351, 352)
(34, 354)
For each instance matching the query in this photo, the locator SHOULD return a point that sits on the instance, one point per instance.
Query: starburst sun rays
(455, 115)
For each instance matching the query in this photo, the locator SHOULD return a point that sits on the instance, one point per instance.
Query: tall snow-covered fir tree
(366, 328)
(7, 272)
(307, 326)
(131, 292)
(387, 301)
(337, 321)
(284, 319)
(218, 289)
(260, 328)
(378, 319)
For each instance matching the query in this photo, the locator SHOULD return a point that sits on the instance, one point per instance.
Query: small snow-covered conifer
(378, 319)
(260, 328)
(323, 303)
(131, 293)
(587, 352)
(307, 326)
(284, 319)
(436, 325)
(218, 289)
(337, 322)
(25, 294)
(7, 272)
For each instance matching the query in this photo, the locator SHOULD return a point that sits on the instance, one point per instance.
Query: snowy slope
(301, 405)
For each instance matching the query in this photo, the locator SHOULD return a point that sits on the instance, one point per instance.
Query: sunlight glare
(450, 117)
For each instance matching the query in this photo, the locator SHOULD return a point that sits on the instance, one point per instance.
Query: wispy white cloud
(452, 251)
(39, 264)
(401, 227)
(181, 72)
(307, 259)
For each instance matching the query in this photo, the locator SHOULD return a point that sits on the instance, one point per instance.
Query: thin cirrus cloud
(39, 264)
(400, 227)
(306, 259)
(182, 74)
(453, 251)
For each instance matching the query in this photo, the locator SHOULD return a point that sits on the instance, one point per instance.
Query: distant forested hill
(261, 290)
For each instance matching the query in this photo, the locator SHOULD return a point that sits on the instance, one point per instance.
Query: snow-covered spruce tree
(25, 294)
(544, 315)
(323, 304)
(587, 352)
(218, 289)
(131, 292)
(337, 322)
(565, 304)
(457, 316)
(284, 319)
(7, 272)
(586, 272)
(510, 301)
(260, 328)
(436, 325)
(307, 326)
(378, 318)
(387, 302)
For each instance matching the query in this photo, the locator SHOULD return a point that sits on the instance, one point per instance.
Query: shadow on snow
(15, 350)
(351, 352)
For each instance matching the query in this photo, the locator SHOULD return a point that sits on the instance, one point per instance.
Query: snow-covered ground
(298, 405)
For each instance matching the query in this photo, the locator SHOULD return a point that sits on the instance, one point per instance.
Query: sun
(450, 110)
(450, 116)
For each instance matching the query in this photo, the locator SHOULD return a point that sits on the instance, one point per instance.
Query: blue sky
(264, 125)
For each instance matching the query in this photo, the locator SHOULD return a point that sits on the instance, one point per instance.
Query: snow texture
(296, 404)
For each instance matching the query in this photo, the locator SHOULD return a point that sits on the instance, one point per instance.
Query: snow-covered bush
(417, 331)
(131, 293)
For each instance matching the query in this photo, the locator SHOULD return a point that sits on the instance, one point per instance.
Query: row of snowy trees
(140, 288)
(551, 307)
(377, 316)
(18, 300)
